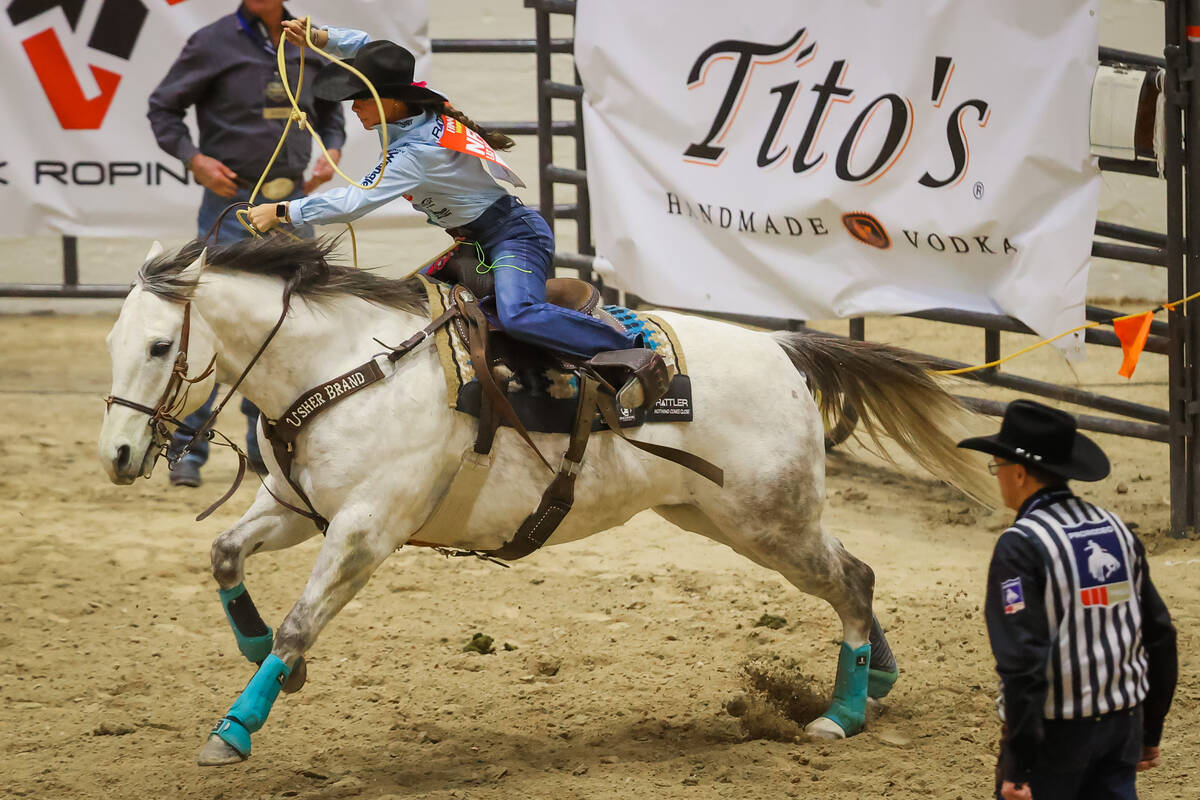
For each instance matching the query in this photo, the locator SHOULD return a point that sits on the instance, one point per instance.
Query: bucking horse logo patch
(1100, 564)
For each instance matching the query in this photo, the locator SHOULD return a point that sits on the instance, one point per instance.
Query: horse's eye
(160, 349)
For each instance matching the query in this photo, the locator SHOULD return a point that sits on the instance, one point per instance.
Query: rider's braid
(497, 140)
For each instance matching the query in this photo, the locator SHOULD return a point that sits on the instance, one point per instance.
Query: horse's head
(145, 347)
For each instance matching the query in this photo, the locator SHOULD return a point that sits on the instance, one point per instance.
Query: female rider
(455, 188)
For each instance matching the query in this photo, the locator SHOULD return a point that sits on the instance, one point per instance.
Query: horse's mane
(304, 265)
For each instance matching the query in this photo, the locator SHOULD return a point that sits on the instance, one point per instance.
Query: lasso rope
(301, 119)
(1165, 306)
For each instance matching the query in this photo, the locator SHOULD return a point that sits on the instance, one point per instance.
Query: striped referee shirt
(1077, 627)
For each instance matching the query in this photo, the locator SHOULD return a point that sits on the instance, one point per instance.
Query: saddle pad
(545, 399)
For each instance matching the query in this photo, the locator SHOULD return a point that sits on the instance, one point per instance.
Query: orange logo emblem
(867, 229)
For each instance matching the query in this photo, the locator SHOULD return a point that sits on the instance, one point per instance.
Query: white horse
(376, 464)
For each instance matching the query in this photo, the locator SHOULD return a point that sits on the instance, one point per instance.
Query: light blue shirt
(450, 187)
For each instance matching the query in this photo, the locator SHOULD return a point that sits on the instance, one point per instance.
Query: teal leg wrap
(249, 712)
(879, 682)
(849, 706)
(254, 638)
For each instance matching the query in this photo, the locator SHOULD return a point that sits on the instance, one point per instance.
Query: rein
(241, 473)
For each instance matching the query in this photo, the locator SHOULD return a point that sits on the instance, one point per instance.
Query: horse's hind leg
(266, 525)
(816, 564)
(352, 550)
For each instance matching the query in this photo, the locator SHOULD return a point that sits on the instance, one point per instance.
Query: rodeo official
(1083, 643)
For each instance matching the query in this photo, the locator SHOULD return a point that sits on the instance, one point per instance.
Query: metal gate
(1177, 424)
(1178, 338)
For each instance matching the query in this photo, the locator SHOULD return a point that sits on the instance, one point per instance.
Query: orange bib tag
(458, 137)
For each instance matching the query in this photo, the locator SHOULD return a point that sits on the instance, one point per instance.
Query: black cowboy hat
(387, 65)
(1044, 437)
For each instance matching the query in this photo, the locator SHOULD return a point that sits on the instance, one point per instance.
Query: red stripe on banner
(1193, 32)
(74, 110)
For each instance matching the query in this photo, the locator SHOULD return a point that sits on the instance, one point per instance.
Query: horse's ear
(156, 250)
(191, 274)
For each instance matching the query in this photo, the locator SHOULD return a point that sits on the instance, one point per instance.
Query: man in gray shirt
(228, 71)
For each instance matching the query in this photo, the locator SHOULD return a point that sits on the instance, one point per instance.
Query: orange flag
(1132, 331)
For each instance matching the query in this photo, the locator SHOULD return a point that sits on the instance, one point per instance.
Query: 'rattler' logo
(114, 32)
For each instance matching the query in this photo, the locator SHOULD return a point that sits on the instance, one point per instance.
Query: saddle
(637, 377)
(596, 398)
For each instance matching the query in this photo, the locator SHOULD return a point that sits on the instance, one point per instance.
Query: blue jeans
(519, 245)
(199, 451)
(231, 230)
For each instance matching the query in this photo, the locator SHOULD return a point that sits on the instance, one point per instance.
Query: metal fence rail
(1178, 423)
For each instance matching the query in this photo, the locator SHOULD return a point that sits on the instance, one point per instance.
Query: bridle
(172, 400)
(174, 396)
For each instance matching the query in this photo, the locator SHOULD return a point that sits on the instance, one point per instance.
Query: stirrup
(642, 374)
(632, 395)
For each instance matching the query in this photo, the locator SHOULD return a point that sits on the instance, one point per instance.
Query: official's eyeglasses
(994, 466)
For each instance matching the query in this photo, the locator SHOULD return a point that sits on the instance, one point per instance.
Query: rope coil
(300, 118)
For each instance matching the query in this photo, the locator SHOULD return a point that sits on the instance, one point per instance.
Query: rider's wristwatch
(281, 212)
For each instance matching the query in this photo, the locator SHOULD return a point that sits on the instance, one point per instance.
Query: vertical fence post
(583, 202)
(70, 248)
(858, 328)
(544, 121)
(991, 348)
(1190, 314)
(1177, 374)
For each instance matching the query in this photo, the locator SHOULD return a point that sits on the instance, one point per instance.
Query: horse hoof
(295, 680)
(825, 728)
(217, 753)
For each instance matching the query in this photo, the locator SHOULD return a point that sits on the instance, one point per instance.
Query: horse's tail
(894, 393)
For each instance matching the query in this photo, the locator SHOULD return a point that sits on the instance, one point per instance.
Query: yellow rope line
(1168, 306)
(296, 112)
(301, 120)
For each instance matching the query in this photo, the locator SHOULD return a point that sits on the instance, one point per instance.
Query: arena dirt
(615, 657)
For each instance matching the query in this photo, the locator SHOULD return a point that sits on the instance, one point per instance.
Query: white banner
(79, 156)
(841, 157)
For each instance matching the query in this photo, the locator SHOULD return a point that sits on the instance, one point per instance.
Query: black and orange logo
(114, 32)
(867, 229)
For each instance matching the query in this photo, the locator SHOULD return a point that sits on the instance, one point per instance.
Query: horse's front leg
(354, 547)
(265, 526)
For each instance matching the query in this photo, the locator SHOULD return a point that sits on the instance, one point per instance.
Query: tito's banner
(78, 155)
(840, 157)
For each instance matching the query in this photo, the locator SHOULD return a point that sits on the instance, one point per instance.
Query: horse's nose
(122, 460)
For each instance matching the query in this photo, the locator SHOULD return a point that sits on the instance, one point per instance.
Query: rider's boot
(642, 375)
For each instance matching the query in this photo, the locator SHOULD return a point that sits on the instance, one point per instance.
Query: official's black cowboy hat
(1044, 437)
(386, 64)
